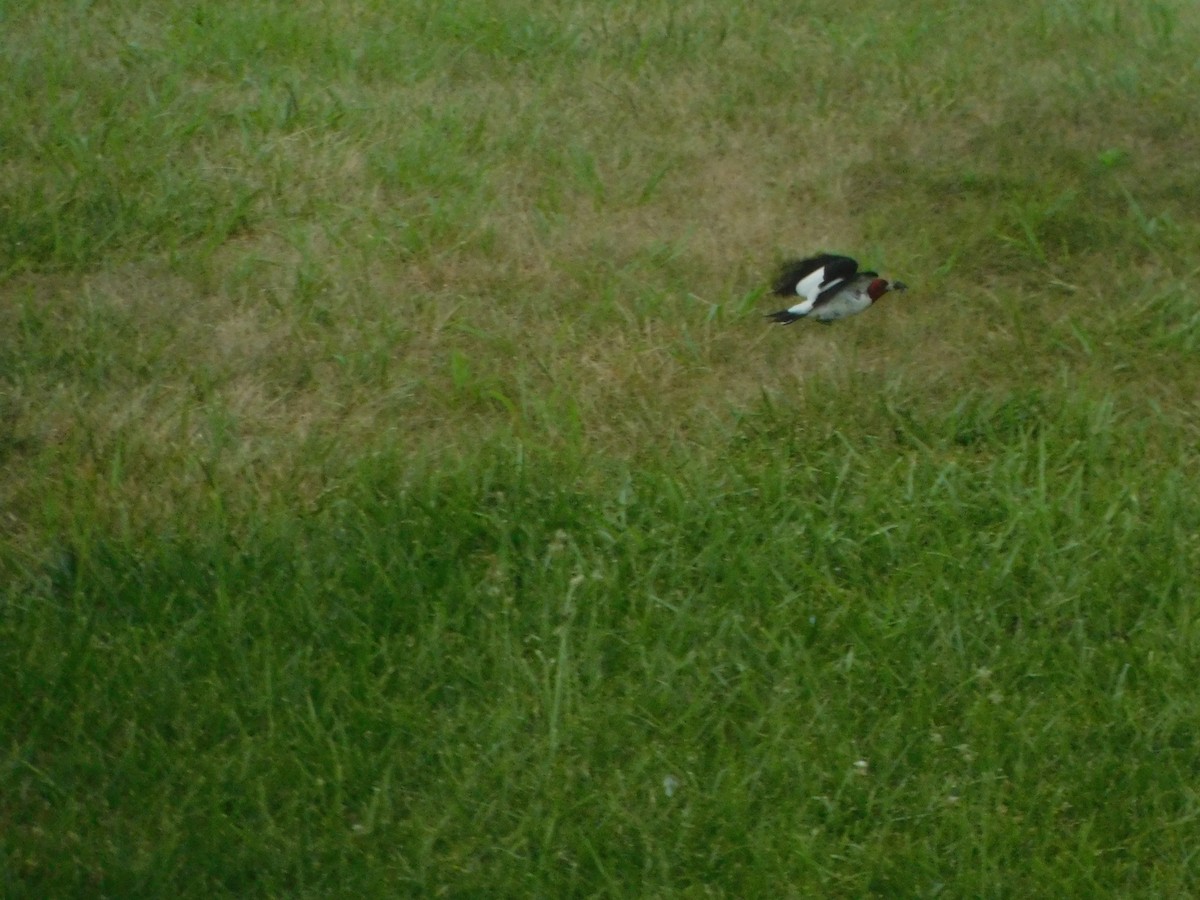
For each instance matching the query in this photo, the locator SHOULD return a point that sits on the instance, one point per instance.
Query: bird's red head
(878, 288)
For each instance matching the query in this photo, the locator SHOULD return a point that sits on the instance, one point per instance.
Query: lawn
(403, 495)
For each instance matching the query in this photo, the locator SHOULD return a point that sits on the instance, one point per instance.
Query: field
(403, 495)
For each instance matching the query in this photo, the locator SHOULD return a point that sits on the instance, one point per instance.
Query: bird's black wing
(792, 273)
(832, 292)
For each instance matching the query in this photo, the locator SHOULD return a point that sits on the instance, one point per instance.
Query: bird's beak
(899, 286)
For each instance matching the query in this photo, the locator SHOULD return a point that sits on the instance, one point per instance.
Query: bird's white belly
(847, 303)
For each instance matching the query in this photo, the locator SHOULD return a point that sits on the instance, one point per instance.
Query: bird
(830, 288)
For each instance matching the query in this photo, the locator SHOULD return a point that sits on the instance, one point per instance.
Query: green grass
(402, 495)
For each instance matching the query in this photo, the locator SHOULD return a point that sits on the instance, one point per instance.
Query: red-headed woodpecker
(830, 287)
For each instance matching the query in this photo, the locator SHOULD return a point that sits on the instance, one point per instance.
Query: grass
(403, 496)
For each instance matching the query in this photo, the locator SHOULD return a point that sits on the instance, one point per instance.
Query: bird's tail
(784, 316)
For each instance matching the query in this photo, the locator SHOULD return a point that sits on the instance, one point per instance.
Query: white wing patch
(810, 287)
